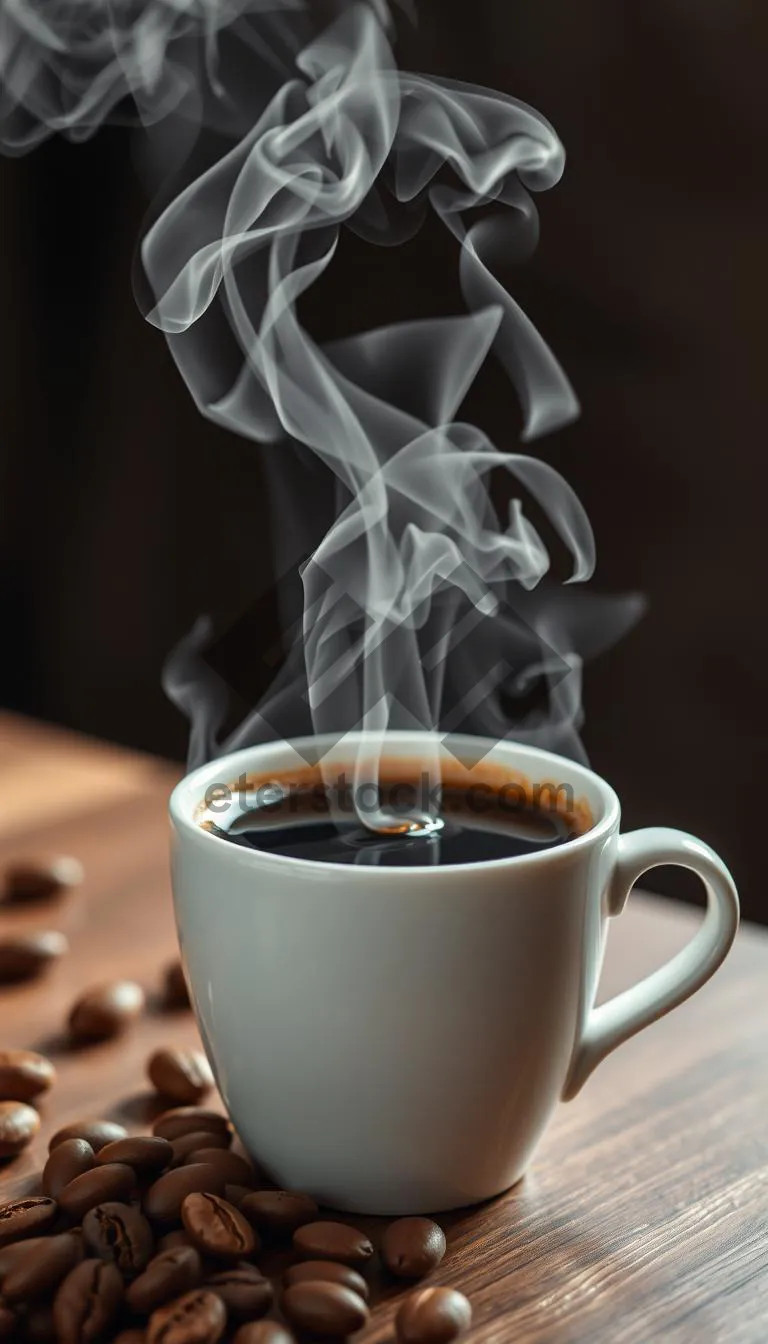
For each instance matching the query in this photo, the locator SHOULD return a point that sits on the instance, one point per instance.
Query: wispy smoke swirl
(421, 607)
(419, 547)
(69, 66)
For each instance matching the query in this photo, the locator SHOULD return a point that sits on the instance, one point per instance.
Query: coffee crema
(481, 813)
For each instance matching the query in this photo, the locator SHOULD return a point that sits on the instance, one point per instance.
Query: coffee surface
(476, 828)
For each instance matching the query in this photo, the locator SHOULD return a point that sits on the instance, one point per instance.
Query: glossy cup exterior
(394, 1040)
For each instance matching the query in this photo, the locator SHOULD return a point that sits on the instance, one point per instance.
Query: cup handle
(621, 1017)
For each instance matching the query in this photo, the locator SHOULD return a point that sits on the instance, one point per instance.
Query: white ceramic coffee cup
(394, 1040)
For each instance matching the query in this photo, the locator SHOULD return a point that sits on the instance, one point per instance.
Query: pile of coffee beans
(166, 1238)
(173, 1237)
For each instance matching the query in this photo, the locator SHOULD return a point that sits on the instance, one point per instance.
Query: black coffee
(476, 826)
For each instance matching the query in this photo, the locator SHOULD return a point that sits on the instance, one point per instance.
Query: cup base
(402, 1203)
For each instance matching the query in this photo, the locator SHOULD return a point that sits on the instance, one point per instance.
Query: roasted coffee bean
(169, 1275)
(191, 1120)
(68, 1160)
(182, 1075)
(218, 1228)
(324, 1308)
(131, 1336)
(235, 1194)
(186, 1144)
(170, 1240)
(199, 1317)
(332, 1241)
(44, 1266)
(244, 1290)
(121, 1233)
(19, 1124)
(264, 1332)
(106, 1010)
(38, 1325)
(233, 1168)
(96, 1132)
(147, 1156)
(24, 1075)
(27, 955)
(87, 1302)
(13, 1253)
(8, 1321)
(327, 1271)
(163, 1200)
(411, 1247)
(279, 1210)
(433, 1316)
(175, 992)
(113, 1182)
(24, 1218)
(39, 881)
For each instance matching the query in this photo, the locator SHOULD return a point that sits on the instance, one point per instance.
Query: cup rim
(191, 789)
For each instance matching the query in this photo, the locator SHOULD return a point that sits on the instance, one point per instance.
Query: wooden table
(645, 1215)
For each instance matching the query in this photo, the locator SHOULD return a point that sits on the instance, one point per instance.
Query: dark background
(123, 513)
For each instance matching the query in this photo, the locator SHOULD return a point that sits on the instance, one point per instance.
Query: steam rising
(71, 65)
(421, 607)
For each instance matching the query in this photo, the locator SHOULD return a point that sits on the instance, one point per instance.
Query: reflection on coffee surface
(474, 819)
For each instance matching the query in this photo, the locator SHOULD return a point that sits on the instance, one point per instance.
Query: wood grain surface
(645, 1214)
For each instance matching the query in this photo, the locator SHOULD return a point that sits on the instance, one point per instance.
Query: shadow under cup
(392, 1039)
